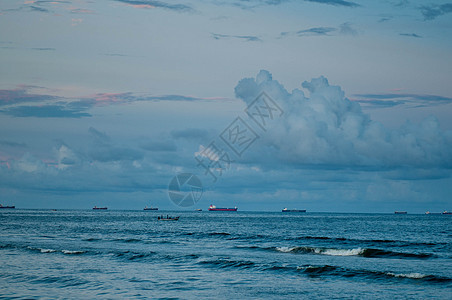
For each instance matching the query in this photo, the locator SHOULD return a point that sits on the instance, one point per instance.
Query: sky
(324, 105)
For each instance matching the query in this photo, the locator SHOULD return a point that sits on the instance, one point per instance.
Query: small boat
(400, 212)
(100, 208)
(447, 212)
(214, 208)
(168, 218)
(198, 209)
(293, 210)
(7, 206)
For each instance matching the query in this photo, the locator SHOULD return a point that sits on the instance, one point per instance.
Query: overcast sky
(346, 105)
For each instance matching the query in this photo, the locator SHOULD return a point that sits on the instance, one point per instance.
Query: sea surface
(87, 254)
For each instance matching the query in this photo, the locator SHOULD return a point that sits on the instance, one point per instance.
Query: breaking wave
(364, 252)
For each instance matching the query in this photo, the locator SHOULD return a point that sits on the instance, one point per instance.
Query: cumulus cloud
(327, 129)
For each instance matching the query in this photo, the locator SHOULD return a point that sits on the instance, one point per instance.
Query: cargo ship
(214, 208)
(400, 212)
(447, 212)
(150, 208)
(99, 208)
(293, 210)
(7, 206)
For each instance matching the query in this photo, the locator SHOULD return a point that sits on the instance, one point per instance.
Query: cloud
(401, 3)
(328, 130)
(336, 2)
(385, 19)
(22, 95)
(391, 99)
(250, 4)
(38, 9)
(99, 137)
(45, 111)
(411, 35)
(157, 4)
(23, 102)
(106, 151)
(248, 38)
(432, 11)
(343, 29)
(81, 11)
(316, 31)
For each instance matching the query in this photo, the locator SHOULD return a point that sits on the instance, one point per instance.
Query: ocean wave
(364, 252)
(128, 240)
(41, 250)
(327, 270)
(92, 240)
(47, 250)
(227, 235)
(219, 233)
(226, 263)
(324, 251)
(393, 254)
(7, 246)
(408, 275)
(372, 241)
(73, 252)
(63, 281)
(131, 255)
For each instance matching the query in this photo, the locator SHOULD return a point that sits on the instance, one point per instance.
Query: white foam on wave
(72, 252)
(47, 250)
(408, 275)
(343, 252)
(323, 251)
(42, 250)
(285, 249)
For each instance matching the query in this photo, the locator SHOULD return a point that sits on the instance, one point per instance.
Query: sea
(114, 254)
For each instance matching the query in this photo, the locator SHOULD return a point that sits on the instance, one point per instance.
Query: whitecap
(72, 252)
(342, 252)
(47, 250)
(408, 275)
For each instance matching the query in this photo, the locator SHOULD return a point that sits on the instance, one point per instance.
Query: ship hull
(222, 209)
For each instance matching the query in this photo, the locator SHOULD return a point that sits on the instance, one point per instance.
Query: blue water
(230, 255)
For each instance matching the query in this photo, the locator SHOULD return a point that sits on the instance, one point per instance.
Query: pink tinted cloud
(141, 5)
(102, 99)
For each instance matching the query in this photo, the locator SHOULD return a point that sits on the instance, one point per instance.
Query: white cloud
(327, 128)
